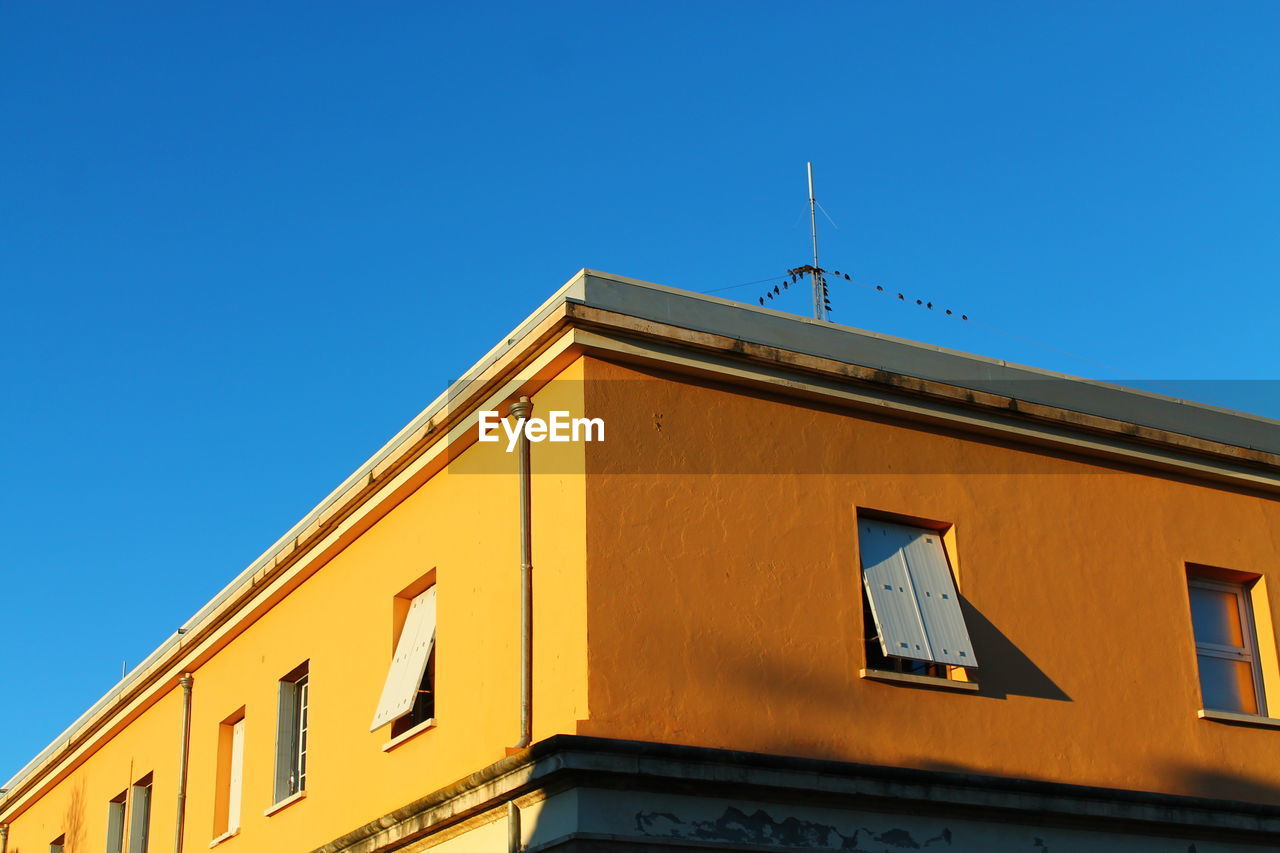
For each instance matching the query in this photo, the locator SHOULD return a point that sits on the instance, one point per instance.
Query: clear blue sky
(242, 243)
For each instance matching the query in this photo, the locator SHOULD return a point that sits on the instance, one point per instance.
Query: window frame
(407, 702)
(292, 741)
(140, 814)
(910, 669)
(117, 817)
(228, 799)
(423, 710)
(1248, 653)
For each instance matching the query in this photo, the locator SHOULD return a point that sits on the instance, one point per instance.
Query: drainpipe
(186, 681)
(4, 837)
(520, 410)
(513, 827)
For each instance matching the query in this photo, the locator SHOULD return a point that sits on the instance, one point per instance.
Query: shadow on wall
(1219, 785)
(1004, 670)
(74, 821)
(73, 837)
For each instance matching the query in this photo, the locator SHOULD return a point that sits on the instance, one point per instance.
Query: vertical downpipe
(4, 838)
(186, 681)
(520, 410)
(513, 827)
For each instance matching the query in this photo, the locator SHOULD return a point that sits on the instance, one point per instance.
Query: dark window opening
(878, 660)
(424, 705)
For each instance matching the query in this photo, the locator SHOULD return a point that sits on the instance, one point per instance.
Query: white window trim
(410, 733)
(911, 678)
(1243, 719)
(301, 741)
(285, 803)
(226, 836)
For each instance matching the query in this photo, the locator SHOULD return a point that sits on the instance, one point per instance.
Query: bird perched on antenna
(819, 277)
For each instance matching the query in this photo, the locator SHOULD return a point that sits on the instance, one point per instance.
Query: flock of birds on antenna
(821, 275)
(798, 273)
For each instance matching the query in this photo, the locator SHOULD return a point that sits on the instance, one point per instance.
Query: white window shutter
(912, 594)
(235, 782)
(893, 603)
(409, 662)
(115, 826)
(939, 602)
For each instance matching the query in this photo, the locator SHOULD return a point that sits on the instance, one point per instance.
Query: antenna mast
(815, 275)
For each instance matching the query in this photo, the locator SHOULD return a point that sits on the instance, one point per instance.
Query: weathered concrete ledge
(607, 777)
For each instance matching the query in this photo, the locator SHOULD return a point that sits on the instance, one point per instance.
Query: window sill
(1233, 717)
(285, 803)
(229, 834)
(927, 680)
(413, 732)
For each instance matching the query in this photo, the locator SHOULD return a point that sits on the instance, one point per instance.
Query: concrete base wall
(582, 795)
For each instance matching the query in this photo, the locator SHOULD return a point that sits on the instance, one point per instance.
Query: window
(1226, 646)
(57, 844)
(115, 823)
(230, 779)
(140, 824)
(911, 600)
(291, 734)
(407, 697)
(424, 702)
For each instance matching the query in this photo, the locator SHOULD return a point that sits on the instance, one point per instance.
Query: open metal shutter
(140, 818)
(409, 662)
(286, 738)
(912, 594)
(115, 826)
(893, 603)
(939, 603)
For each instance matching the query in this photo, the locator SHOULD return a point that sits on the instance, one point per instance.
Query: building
(817, 588)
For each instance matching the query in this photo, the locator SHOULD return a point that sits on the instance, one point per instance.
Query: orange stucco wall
(463, 524)
(725, 603)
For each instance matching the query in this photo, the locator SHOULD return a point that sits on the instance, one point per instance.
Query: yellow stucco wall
(725, 607)
(463, 524)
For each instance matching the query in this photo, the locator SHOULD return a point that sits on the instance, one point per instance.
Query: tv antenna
(819, 309)
(817, 275)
